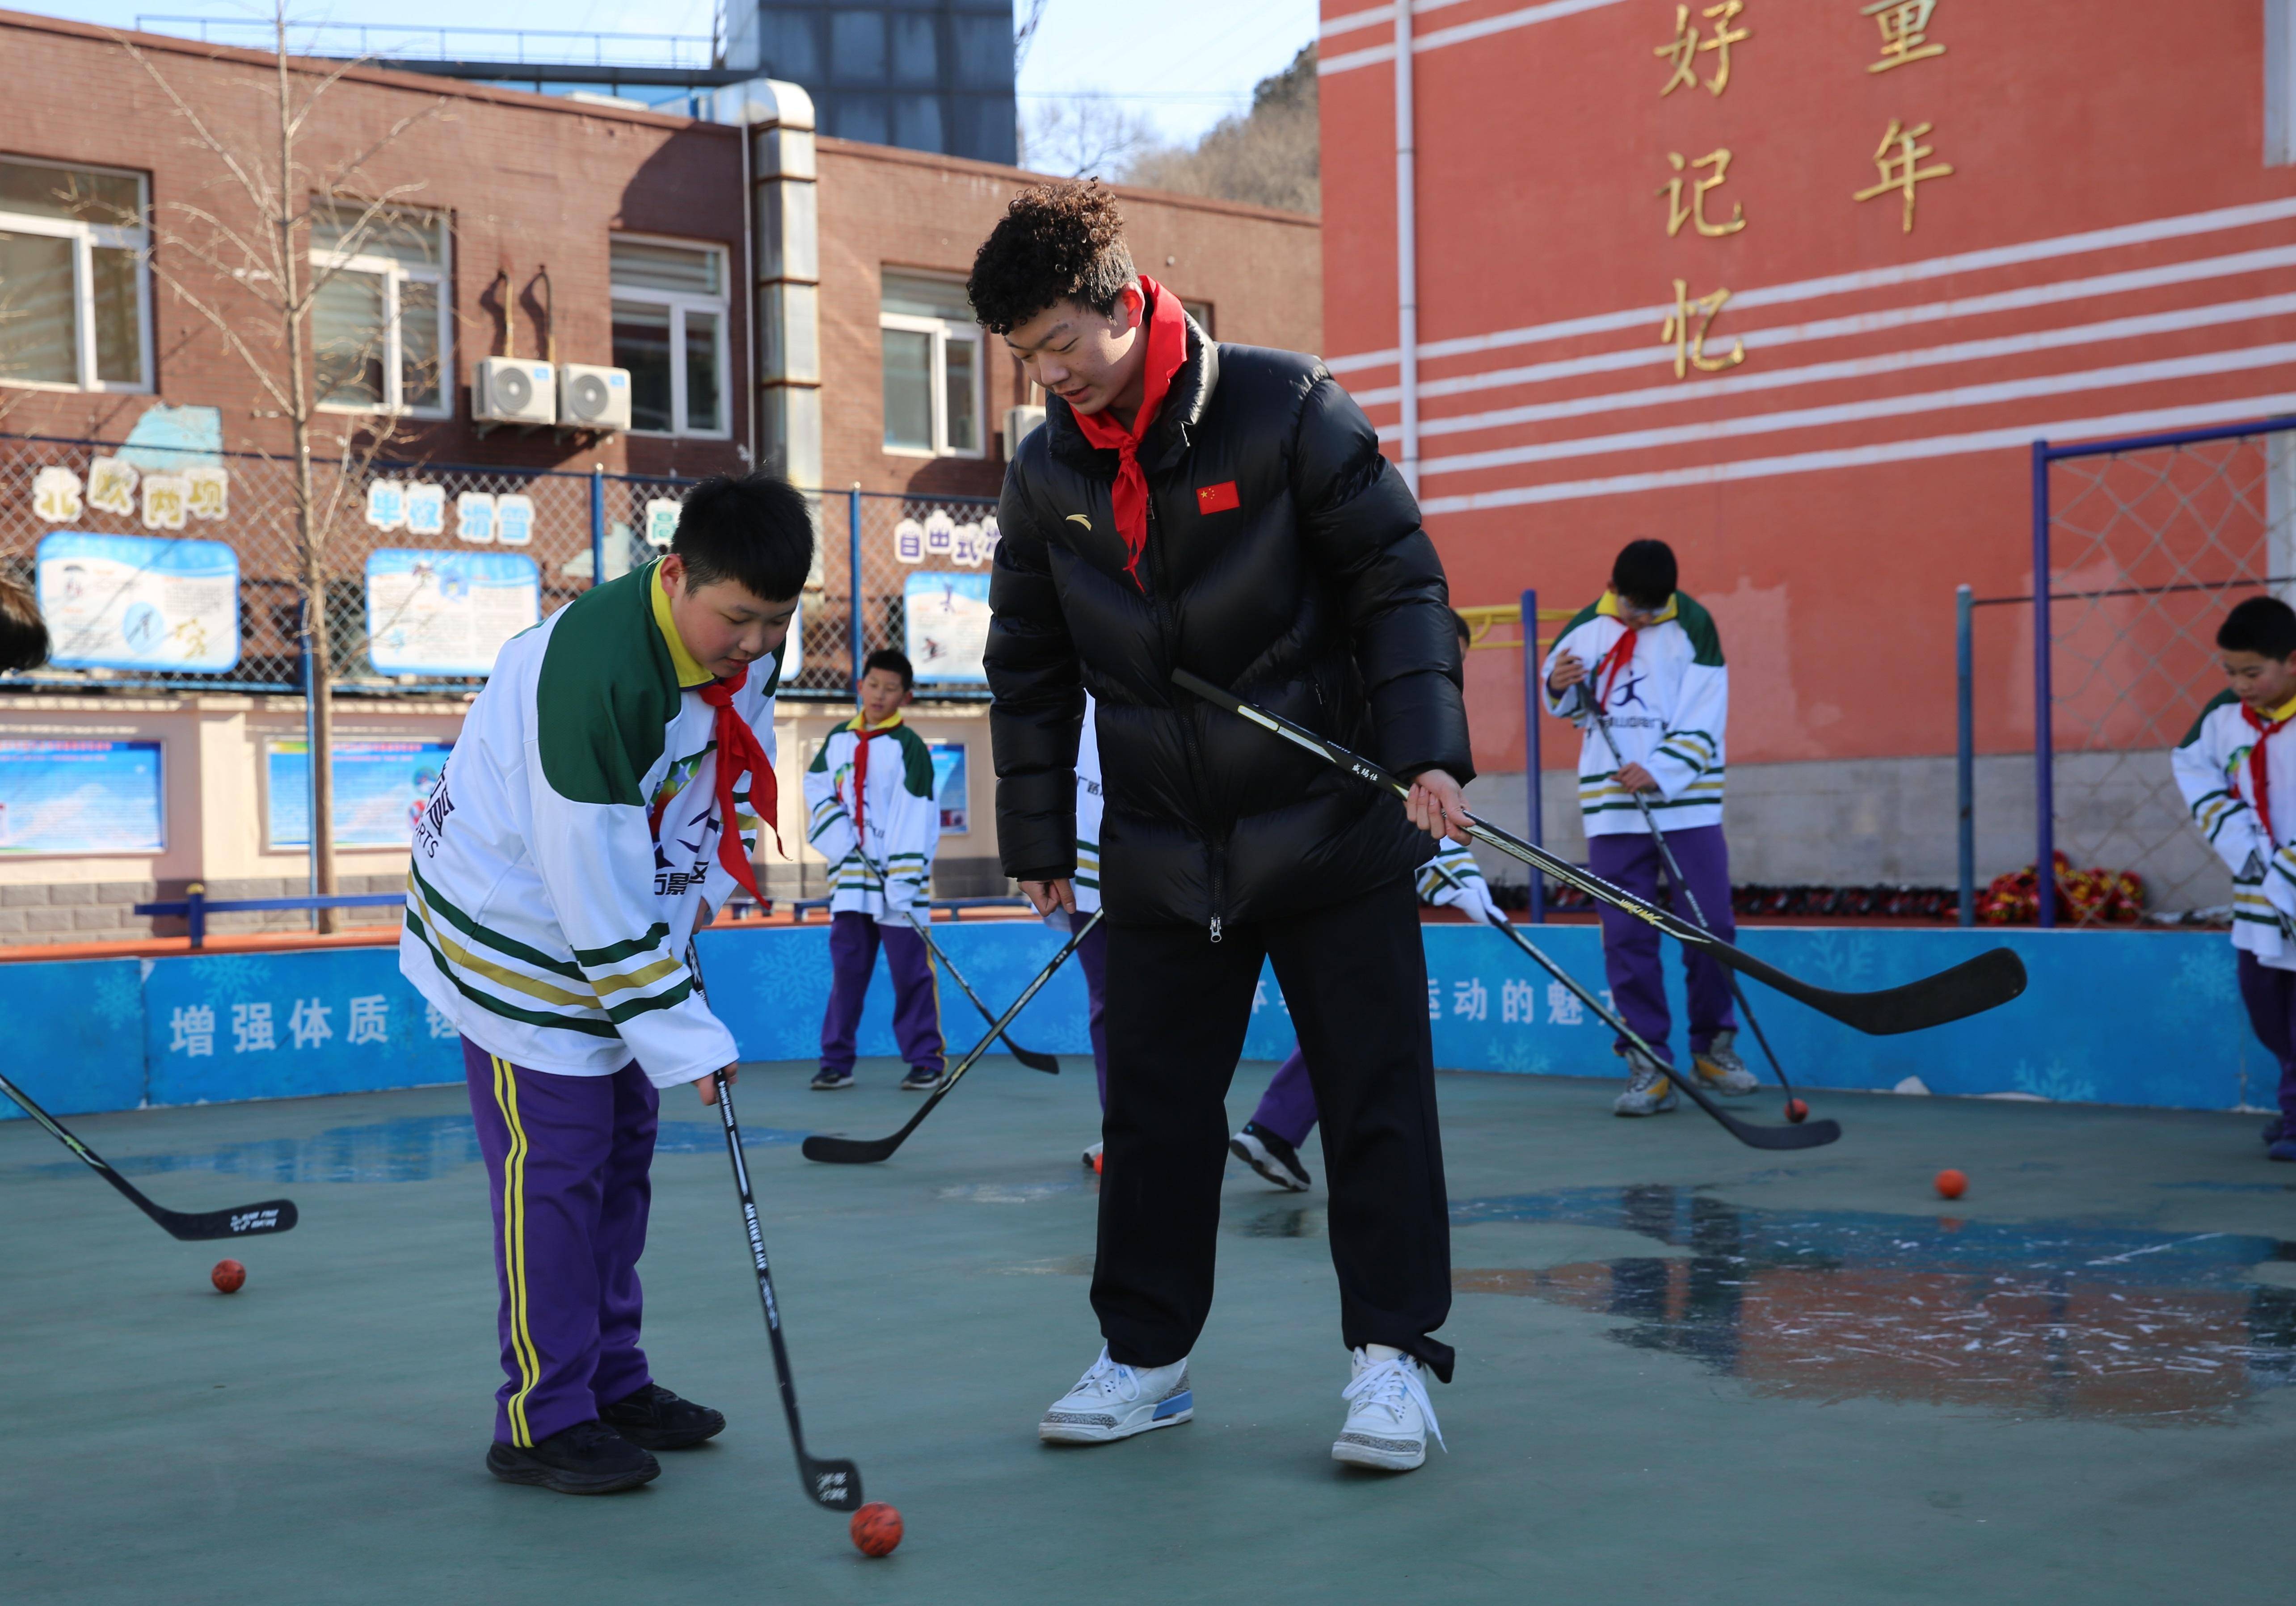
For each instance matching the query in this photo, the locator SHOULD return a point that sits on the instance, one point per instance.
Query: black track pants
(1355, 977)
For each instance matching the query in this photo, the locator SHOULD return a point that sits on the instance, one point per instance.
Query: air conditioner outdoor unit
(592, 397)
(514, 390)
(1017, 422)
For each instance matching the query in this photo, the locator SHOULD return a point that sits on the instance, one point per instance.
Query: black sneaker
(588, 1458)
(1270, 1156)
(655, 1419)
(826, 1081)
(920, 1080)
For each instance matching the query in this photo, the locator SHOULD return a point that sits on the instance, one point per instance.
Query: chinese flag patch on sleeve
(1217, 498)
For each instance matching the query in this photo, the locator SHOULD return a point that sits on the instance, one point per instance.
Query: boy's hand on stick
(1568, 673)
(707, 1087)
(1045, 897)
(1438, 805)
(1633, 777)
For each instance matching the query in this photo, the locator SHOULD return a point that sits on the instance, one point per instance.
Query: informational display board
(949, 787)
(139, 602)
(948, 625)
(447, 612)
(380, 788)
(81, 797)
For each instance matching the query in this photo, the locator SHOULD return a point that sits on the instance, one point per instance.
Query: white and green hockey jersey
(561, 861)
(1668, 703)
(887, 789)
(1471, 890)
(1090, 807)
(2212, 769)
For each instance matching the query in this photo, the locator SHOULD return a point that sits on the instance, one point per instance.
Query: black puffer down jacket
(1284, 559)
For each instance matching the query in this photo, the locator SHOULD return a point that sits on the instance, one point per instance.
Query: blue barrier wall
(2123, 1018)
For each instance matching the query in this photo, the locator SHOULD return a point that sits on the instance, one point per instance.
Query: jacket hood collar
(1167, 438)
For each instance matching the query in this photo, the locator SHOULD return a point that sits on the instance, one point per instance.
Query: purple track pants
(2270, 994)
(566, 1162)
(854, 940)
(1630, 947)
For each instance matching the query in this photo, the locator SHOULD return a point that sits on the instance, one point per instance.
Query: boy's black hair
(2262, 625)
(755, 530)
(886, 658)
(1055, 242)
(24, 635)
(1459, 623)
(1644, 573)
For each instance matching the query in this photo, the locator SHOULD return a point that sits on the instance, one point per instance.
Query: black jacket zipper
(1215, 846)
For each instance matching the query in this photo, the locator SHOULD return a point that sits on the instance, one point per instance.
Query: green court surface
(1688, 1372)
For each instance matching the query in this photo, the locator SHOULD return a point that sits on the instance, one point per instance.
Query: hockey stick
(272, 1216)
(1674, 869)
(835, 1484)
(1811, 1134)
(1992, 977)
(1027, 1056)
(836, 1150)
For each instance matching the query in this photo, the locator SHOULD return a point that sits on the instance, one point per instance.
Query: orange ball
(227, 1276)
(1797, 1111)
(1951, 1184)
(876, 1529)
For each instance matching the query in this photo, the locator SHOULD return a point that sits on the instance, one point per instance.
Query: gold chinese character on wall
(1904, 25)
(1683, 50)
(1689, 348)
(1898, 160)
(1677, 213)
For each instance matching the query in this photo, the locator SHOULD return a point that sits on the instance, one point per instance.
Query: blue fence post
(854, 639)
(1530, 766)
(196, 913)
(2045, 802)
(1965, 753)
(310, 748)
(597, 524)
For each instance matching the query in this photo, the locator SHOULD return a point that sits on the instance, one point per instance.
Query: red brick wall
(1261, 270)
(530, 181)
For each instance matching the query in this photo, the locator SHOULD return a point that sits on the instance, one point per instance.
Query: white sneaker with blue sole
(1112, 1401)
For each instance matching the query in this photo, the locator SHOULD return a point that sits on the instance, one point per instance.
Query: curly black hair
(1055, 242)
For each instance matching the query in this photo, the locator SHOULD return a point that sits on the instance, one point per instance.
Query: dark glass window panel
(349, 334)
(38, 334)
(908, 389)
(641, 346)
(856, 47)
(702, 387)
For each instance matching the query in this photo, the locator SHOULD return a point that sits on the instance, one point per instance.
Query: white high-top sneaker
(1389, 1413)
(1113, 1401)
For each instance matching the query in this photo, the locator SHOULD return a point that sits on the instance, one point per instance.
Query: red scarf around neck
(862, 732)
(741, 753)
(1166, 333)
(2260, 777)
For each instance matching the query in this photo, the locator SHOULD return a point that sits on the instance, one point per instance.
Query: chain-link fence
(923, 563)
(2145, 543)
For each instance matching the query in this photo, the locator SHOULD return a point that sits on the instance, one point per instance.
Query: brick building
(1794, 286)
(547, 228)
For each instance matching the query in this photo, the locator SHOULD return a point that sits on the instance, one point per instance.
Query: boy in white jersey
(598, 803)
(1648, 658)
(2237, 770)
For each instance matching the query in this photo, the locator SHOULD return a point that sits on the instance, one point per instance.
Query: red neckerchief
(1614, 661)
(861, 735)
(741, 753)
(2259, 778)
(1166, 336)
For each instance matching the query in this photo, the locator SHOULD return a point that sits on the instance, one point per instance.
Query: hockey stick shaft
(272, 1216)
(1674, 868)
(1028, 1057)
(1978, 984)
(833, 1149)
(1811, 1135)
(835, 1484)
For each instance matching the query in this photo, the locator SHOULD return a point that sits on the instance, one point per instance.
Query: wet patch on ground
(2031, 1319)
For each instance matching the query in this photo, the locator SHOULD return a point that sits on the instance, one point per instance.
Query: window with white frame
(669, 331)
(932, 349)
(75, 302)
(381, 330)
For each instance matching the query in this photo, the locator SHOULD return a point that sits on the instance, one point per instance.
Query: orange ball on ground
(1951, 1184)
(876, 1529)
(227, 1276)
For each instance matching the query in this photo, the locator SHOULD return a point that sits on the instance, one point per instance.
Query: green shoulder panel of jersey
(1698, 624)
(2214, 704)
(916, 760)
(605, 695)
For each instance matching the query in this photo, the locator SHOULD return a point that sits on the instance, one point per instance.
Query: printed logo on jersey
(1220, 498)
(671, 882)
(432, 820)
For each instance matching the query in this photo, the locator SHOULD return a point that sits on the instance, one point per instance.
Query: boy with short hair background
(872, 815)
(605, 793)
(2236, 768)
(1649, 658)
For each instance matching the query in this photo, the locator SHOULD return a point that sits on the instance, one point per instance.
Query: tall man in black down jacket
(1224, 510)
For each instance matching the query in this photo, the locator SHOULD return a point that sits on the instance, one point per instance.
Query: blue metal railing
(196, 905)
(957, 906)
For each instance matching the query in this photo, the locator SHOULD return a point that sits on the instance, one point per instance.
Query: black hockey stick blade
(241, 1221)
(831, 1148)
(1991, 978)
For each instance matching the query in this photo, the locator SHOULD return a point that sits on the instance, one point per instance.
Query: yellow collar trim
(860, 722)
(2285, 710)
(1608, 608)
(690, 672)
